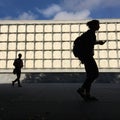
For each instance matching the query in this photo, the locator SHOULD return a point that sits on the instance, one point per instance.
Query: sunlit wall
(47, 45)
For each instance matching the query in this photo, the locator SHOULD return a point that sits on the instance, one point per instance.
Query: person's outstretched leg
(13, 82)
(18, 79)
(92, 73)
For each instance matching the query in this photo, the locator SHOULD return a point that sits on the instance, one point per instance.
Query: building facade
(46, 46)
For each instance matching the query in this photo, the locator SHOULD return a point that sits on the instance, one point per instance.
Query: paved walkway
(58, 102)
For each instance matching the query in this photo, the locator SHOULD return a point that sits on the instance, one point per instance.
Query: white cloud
(50, 11)
(72, 15)
(76, 9)
(59, 13)
(27, 16)
(23, 16)
(78, 5)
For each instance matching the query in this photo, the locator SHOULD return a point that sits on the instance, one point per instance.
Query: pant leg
(91, 71)
(18, 78)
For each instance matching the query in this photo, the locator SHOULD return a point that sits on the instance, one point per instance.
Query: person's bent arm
(100, 42)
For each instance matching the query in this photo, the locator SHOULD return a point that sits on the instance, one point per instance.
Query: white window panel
(103, 27)
(102, 36)
(48, 28)
(39, 46)
(13, 28)
(30, 37)
(29, 54)
(21, 37)
(48, 37)
(12, 37)
(38, 64)
(30, 28)
(103, 63)
(112, 45)
(30, 46)
(48, 45)
(3, 37)
(113, 63)
(66, 54)
(48, 54)
(66, 37)
(21, 46)
(12, 46)
(112, 54)
(39, 28)
(75, 28)
(3, 55)
(3, 46)
(102, 54)
(57, 54)
(66, 45)
(39, 37)
(2, 64)
(75, 64)
(66, 63)
(56, 28)
(65, 28)
(83, 28)
(10, 64)
(57, 45)
(57, 63)
(21, 28)
(47, 64)
(56, 37)
(4, 28)
(29, 63)
(38, 55)
(11, 55)
(111, 36)
(111, 27)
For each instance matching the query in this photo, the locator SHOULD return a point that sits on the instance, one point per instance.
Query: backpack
(76, 46)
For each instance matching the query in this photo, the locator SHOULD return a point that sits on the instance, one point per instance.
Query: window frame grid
(61, 59)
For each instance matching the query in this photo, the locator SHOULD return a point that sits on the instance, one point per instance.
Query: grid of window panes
(49, 45)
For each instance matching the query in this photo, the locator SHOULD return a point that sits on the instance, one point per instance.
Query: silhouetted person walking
(86, 53)
(18, 63)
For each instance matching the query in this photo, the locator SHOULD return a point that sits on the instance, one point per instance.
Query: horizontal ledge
(4, 71)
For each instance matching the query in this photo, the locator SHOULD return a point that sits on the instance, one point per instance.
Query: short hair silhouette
(92, 23)
(19, 55)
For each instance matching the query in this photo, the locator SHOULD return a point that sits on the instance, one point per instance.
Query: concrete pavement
(51, 101)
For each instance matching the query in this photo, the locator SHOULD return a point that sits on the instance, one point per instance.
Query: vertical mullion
(7, 47)
(70, 48)
(79, 35)
(17, 40)
(108, 60)
(34, 41)
(61, 47)
(25, 45)
(52, 47)
(117, 45)
(43, 61)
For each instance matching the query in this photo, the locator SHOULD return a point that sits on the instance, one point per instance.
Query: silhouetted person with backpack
(85, 49)
(18, 63)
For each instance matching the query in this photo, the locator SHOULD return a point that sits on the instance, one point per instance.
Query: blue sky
(58, 9)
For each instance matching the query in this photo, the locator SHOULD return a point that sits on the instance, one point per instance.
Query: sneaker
(90, 98)
(19, 86)
(81, 92)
